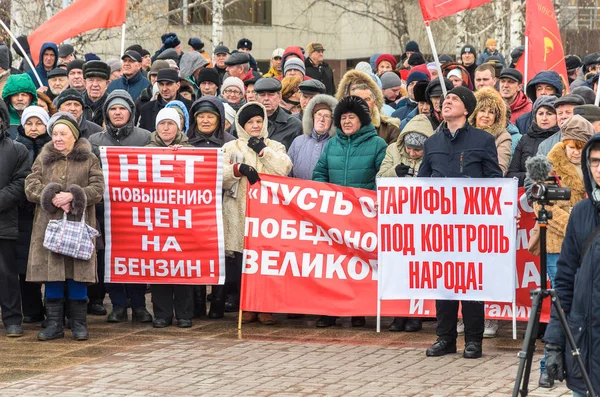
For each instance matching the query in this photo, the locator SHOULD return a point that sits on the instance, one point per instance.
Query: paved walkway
(290, 359)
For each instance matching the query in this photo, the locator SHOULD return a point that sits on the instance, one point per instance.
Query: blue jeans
(56, 290)
(551, 260)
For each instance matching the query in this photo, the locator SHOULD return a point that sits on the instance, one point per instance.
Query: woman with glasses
(232, 92)
(318, 128)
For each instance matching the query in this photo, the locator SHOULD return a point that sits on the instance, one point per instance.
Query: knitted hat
(415, 140)
(363, 67)
(119, 101)
(168, 114)
(390, 80)
(90, 56)
(415, 59)
(294, 63)
(208, 74)
(233, 82)
(352, 104)
(252, 110)
(114, 64)
(416, 75)
(468, 49)
(431, 66)
(490, 42)
(412, 46)
(386, 57)
(35, 111)
(467, 98)
(577, 128)
(70, 94)
(66, 119)
(454, 72)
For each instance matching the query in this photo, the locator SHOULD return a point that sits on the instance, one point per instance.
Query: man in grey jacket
(120, 131)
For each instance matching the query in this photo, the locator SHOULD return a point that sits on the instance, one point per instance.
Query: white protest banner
(447, 238)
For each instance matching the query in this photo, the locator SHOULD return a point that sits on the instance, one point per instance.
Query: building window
(236, 12)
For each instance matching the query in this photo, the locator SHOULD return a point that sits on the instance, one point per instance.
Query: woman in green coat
(352, 158)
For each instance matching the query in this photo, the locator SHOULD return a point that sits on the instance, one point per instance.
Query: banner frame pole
(526, 67)
(25, 57)
(123, 38)
(597, 100)
(435, 57)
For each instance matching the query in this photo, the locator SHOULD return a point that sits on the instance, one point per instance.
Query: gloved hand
(402, 170)
(249, 172)
(555, 358)
(256, 144)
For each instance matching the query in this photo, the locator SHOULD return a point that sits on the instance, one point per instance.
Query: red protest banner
(309, 249)
(163, 215)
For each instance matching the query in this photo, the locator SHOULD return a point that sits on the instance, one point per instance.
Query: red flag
(79, 17)
(436, 9)
(545, 49)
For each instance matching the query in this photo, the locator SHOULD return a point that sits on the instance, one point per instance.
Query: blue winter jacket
(547, 77)
(134, 86)
(577, 283)
(42, 72)
(470, 153)
(404, 107)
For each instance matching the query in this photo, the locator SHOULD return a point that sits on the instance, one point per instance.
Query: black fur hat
(352, 104)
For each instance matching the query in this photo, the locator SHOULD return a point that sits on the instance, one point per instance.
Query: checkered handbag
(69, 238)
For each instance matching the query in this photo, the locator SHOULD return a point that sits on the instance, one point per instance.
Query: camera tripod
(538, 296)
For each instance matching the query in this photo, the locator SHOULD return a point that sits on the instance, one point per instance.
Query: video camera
(546, 188)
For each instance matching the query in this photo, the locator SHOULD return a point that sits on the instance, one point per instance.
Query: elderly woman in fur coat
(318, 128)
(252, 153)
(65, 178)
(565, 157)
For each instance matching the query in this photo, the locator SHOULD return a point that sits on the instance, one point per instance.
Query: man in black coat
(15, 165)
(168, 85)
(577, 282)
(96, 74)
(71, 101)
(458, 150)
(317, 68)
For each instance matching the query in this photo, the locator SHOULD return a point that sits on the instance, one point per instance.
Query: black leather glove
(256, 144)
(249, 172)
(555, 358)
(402, 170)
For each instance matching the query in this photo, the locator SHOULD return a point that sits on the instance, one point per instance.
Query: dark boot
(217, 304)
(78, 312)
(199, 301)
(413, 325)
(55, 312)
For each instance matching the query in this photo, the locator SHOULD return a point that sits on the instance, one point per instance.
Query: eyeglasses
(233, 92)
(594, 163)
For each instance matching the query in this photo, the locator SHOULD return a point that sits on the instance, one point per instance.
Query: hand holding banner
(163, 215)
(447, 238)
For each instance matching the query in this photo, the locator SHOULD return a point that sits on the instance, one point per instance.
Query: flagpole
(526, 67)
(12, 36)
(123, 39)
(435, 58)
(597, 93)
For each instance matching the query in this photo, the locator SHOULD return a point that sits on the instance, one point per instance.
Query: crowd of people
(387, 117)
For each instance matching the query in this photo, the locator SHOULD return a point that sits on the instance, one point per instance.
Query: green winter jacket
(18, 83)
(353, 160)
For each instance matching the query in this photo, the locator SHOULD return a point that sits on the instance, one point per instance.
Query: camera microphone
(538, 168)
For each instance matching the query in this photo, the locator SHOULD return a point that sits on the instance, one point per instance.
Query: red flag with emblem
(436, 9)
(79, 17)
(545, 50)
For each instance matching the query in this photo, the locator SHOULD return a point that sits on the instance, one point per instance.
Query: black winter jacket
(323, 73)
(14, 167)
(577, 283)
(471, 153)
(149, 111)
